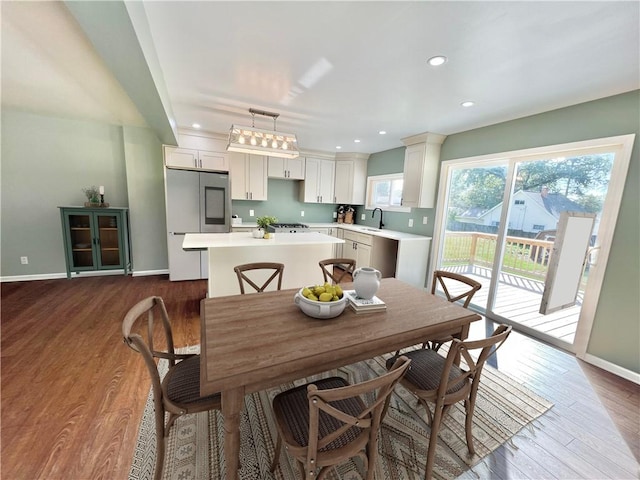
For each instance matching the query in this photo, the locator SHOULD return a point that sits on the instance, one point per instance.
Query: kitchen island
(299, 252)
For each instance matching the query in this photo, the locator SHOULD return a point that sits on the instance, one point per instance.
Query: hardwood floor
(73, 393)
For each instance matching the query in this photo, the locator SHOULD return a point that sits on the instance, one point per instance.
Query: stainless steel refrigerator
(196, 202)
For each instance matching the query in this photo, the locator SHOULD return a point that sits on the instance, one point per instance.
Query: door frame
(621, 145)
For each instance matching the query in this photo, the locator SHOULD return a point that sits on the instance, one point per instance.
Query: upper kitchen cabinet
(197, 151)
(248, 176)
(319, 179)
(351, 178)
(186, 158)
(289, 168)
(421, 162)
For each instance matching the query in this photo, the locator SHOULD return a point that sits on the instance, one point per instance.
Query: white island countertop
(201, 241)
(299, 252)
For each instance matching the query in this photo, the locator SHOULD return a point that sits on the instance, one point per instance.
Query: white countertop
(199, 241)
(392, 234)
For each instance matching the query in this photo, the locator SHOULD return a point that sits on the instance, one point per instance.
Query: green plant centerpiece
(264, 222)
(92, 193)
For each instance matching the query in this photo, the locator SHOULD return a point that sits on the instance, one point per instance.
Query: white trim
(608, 220)
(612, 368)
(28, 278)
(381, 178)
(147, 273)
(96, 273)
(426, 137)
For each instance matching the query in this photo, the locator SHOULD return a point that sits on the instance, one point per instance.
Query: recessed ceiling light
(195, 125)
(468, 103)
(357, 141)
(338, 147)
(382, 132)
(437, 60)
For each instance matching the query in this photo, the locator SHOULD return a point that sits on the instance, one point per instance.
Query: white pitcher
(366, 281)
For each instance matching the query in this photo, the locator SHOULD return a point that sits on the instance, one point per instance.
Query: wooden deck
(518, 300)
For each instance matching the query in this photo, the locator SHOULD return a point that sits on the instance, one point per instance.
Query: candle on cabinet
(101, 190)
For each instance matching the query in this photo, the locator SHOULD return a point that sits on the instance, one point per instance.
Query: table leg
(464, 332)
(462, 335)
(232, 401)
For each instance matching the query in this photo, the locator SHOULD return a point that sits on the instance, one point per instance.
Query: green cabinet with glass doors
(95, 239)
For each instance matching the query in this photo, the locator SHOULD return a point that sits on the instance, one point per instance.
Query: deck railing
(523, 256)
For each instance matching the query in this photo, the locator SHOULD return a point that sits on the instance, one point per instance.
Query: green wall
(284, 203)
(615, 335)
(47, 161)
(145, 186)
(384, 163)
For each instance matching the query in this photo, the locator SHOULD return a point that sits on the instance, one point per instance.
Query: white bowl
(318, 309)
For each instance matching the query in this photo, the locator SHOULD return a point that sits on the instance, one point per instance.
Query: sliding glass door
(473, 211)
(498, 222)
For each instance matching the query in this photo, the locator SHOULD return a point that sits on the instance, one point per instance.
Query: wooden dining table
(256, 341)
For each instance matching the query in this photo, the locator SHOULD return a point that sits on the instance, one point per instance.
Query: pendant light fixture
(262, 142)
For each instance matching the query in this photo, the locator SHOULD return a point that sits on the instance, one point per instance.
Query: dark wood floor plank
(63, 337)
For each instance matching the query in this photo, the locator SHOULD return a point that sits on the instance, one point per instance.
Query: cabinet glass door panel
(108, 240)
(95, 239)
(81, 241)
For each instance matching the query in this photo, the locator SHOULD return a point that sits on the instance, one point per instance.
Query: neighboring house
(531, 212)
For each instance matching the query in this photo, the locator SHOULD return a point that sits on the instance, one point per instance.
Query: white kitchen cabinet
(357, 246)
(350, 178)
(421, 163)
(319, 179)
(248, 176)
(187, 158)
(371, 251)
(289, 168)
(338, 233)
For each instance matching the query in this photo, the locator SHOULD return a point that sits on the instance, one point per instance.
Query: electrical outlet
(335, 214)
(302, 213)
(251, 213)
(425, 220)
(363, 217)
(411, 222)
(24, 260)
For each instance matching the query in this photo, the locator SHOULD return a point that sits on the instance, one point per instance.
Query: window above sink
(385, 192)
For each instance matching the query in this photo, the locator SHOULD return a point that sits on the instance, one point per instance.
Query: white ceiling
(340, 71)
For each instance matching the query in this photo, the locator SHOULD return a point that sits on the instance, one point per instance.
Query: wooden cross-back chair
(335, 269)
(178, 393)
(456, 288)
(326, 422)
(439, 380)
(241, 272)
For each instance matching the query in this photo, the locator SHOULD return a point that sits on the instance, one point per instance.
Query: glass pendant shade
(262, 142)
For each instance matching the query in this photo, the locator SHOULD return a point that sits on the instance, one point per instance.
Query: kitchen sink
(372, 229)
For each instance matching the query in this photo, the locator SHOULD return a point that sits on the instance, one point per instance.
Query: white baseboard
(97, 273)
(612, 368)
(146, 273)
(28, 278)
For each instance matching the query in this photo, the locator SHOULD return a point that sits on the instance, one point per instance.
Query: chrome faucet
(374, 212)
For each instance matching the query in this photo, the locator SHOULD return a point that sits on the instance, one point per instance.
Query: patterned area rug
(194, 447)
